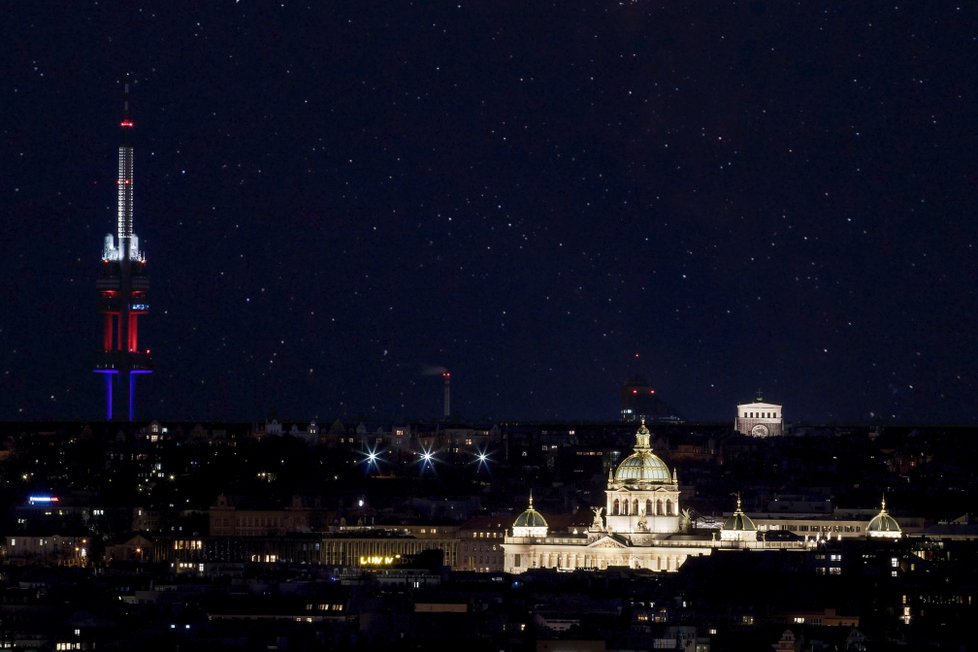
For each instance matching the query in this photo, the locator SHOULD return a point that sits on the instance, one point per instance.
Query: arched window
(648, 507)
(668, 507)
(624, 507)
(635, 506)
(614, 507)
(658, 507)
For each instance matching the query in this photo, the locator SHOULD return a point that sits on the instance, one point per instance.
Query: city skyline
(544, 201)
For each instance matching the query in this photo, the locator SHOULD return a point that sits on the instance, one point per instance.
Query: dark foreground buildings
(371, 536)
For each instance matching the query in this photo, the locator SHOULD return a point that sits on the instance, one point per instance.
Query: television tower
(122, 286)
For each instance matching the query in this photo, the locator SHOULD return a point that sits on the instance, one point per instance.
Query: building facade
(641, 525)
(759, 419)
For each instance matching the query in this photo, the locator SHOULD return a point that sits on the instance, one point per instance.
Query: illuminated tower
(122, 286)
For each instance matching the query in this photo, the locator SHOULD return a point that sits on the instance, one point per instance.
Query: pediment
(606, 542)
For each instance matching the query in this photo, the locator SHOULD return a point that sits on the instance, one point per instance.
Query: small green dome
(739, 522)
(883, 524)
(643, 465)
(530, 518)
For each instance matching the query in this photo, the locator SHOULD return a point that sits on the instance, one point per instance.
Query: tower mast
(122, 286)
(124, 180)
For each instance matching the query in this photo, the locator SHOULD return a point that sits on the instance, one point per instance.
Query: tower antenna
(125, 98)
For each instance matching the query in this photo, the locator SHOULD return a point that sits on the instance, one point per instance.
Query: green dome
(883, 524)
(739, 522)
(643, 465)
(530, 518)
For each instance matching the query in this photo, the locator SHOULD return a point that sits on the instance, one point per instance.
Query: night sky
(337, 199)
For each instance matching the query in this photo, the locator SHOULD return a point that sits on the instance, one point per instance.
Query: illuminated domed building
(642, 526)
(883, 526)
(642, 494)
(639, 526)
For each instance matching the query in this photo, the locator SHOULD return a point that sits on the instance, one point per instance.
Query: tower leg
(132, 392)
(133, 334)
(107, 335)
(108, 396)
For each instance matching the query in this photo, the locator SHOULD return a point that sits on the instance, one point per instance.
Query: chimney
(448, 392)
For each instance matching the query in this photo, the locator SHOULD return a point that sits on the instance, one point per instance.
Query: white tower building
(759, 419)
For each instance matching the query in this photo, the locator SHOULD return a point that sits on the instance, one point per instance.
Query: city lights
(427, 458)
(482, 459)
(372, 457)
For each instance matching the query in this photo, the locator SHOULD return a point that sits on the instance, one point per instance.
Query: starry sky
(339, 199)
